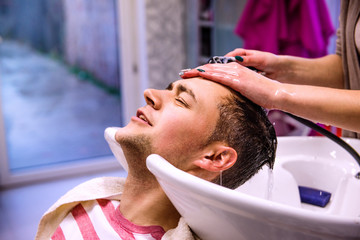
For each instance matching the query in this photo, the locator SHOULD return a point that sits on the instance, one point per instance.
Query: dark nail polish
(200, 70)
(240, 59)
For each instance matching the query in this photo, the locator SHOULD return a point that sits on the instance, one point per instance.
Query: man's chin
(120, 133)
(134, 145)
(123, 133)
(129, 130)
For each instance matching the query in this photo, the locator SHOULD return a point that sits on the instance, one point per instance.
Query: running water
(270, 184)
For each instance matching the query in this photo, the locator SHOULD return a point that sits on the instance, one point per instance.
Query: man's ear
(217, 157)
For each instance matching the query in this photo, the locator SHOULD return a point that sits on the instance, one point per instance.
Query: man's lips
(140, 114)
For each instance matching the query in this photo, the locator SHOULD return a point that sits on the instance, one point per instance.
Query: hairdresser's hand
(265, 62)
(252, 85)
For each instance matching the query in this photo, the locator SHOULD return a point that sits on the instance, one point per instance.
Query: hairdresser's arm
(337, 107)
(326, 71)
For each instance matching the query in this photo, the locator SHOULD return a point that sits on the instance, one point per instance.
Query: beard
(136, 149)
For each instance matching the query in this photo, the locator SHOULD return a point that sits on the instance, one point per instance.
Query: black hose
(328, 134)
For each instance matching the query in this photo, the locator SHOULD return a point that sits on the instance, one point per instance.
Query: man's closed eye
(182, 102)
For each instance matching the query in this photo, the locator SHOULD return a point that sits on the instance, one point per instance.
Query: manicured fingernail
(200, 70)
(240, 59)
(183, 71)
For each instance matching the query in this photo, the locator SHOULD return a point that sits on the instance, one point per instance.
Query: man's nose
(153, 98)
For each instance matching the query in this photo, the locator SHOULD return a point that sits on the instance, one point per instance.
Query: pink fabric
(58, 235)
(83, 221)
(88, 220)
(124, 227)
(288, 27)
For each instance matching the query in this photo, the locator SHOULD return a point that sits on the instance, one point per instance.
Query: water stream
(270, 184)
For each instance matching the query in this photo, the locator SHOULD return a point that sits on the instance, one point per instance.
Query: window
(60, 87)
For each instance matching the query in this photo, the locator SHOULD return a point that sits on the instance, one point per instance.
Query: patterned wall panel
(165, 32)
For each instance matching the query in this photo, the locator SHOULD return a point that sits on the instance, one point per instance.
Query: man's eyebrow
(181, 88)
(170, 86)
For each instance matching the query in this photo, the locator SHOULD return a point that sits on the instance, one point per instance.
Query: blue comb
(314, 196)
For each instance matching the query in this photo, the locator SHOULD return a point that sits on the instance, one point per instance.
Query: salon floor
(21, 208)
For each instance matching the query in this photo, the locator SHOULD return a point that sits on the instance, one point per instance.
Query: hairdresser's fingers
(252, 85)
(253, 91)
(236, 52)
(263, 61)
(248, 58)
(260, 60)
(224, 78)
(220, 67)
(189, 73)
(228, 69)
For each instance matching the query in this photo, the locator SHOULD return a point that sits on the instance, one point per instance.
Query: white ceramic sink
(253, 212)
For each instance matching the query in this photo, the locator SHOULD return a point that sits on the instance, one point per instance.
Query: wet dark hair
(244, 126)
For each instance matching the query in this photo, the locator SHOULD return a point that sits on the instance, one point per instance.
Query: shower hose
(331, 136)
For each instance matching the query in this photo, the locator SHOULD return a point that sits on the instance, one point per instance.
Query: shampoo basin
(268, 206)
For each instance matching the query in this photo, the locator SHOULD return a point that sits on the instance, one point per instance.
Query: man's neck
(144, 203)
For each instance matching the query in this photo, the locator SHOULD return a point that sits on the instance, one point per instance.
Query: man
(199, 126)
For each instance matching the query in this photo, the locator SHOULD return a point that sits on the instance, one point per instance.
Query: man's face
(176, 122)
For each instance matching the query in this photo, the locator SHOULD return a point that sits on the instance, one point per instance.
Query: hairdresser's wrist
(286, 68)
(281, 96)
